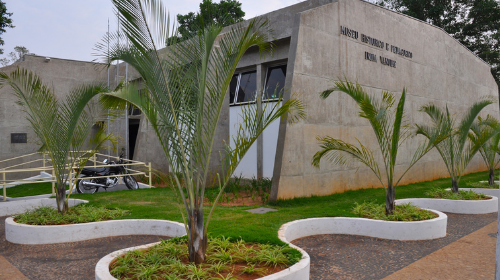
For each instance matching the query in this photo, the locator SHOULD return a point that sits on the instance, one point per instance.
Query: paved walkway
(75, 260)
(470, 257)
(467, 252)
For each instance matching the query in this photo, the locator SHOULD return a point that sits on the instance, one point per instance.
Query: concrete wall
(440, 71)
(61, 75)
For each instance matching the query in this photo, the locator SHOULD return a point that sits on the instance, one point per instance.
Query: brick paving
(470, 257)
(74, 260)
(359, 257)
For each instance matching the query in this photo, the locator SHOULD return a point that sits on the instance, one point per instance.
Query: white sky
(71, 28)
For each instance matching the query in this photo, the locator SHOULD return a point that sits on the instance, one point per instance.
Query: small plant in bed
(404, 212)
(75, 215)
(225, 260)
(461, 195)
(482, 185)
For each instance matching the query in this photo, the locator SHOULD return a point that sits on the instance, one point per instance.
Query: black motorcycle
(92, 185)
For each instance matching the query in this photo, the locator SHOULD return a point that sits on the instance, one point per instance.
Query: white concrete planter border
(9, 208)
(28, 234)
(298, 271)
(455, 206)
(418, 230)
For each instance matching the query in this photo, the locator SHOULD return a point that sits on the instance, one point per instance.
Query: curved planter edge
(19, 206)
(29, 234)
(298, 271)
(455, 206)
(418, 230)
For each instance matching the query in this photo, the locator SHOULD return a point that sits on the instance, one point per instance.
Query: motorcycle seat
(96, 170)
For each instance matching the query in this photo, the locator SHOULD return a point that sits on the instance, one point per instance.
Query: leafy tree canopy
(474, 23)
(224, 13)
(5, 22)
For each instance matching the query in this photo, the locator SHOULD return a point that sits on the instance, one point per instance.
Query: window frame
(239, 73)
(265, 81)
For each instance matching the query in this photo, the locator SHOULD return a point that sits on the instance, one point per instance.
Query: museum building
(317, 42)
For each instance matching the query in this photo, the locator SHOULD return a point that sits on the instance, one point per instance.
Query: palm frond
(339, 152)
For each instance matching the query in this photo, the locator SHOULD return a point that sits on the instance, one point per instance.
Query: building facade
(316, 43)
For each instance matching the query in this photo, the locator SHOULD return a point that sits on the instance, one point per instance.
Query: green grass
(169, 260)
(461, 195)
(483, 185)
(234, 222)
(404, 212)
(30, 189)
(79, 214)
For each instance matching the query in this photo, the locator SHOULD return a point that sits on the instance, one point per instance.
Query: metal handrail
(72, 178)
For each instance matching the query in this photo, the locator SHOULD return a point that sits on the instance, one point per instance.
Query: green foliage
(224, 13)
(461, 195)
(168, 258)
(183, 96)
(252, 270)
(62, 128)
(490, 148)
(475, 24)
(482, 185)
(403, 212)
(235, 222)
(5, 22)
(456, 151)
(391, 130)
(76, 215)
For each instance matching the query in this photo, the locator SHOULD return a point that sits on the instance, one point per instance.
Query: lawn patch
(31, 189)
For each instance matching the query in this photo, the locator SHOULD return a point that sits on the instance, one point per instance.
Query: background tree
(5, 22)
(391, 130)
(457, 151)
(17, 54)
(183, 99)
(63, 128)
(224, 13)
(474, 23)
(491, 148)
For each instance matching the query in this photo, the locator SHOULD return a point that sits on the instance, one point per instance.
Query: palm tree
(63, 128)
(480, 128)
(184, 88)
(390, 130)
(456, 151)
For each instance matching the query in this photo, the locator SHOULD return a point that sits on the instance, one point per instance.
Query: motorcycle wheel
(130, 182)
(81, 188)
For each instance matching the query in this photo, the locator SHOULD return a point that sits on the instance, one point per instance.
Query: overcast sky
(70, 28)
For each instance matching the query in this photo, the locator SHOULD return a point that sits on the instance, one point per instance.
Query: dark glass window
(248, 87)
(275, 82)
(232, 88)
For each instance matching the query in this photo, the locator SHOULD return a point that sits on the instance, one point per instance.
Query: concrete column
(278, 161)
(261, 72)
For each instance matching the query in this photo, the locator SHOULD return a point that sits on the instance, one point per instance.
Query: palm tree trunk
(454, 185)
(390, 200)
(62, 206)
(198, 241)
(491, 178)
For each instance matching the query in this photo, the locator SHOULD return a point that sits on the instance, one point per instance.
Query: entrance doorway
(133, 131)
